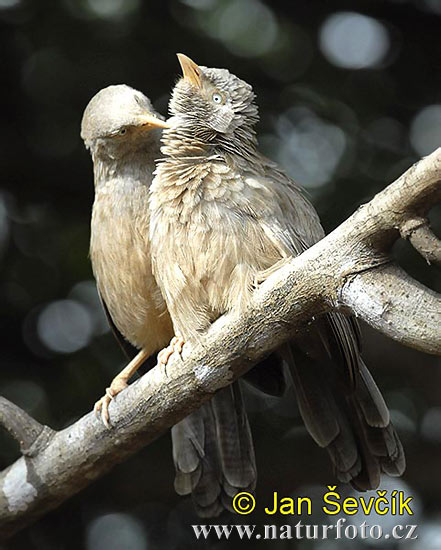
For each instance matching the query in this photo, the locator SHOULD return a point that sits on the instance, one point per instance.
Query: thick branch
(396, 305)
(342, 270)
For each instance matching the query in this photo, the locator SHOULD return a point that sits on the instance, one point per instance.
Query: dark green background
(54, 57)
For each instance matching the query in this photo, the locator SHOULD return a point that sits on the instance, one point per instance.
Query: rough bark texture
(418, 231)
(349, 269)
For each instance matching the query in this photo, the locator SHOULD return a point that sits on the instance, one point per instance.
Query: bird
(222, 216)
(122, 132)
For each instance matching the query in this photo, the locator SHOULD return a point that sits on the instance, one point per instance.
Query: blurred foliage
(349, 95)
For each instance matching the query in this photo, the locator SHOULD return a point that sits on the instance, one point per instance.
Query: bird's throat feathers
(187, 161)
(183, 149)
(134, 165)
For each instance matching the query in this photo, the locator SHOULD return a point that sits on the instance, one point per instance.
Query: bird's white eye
(217, 98)
(122, 131)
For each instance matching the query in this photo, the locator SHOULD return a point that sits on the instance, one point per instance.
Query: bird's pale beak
(190, 70)
(153, 121)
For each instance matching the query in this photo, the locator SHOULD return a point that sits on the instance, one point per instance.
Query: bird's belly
(122, 267)
(219, 270)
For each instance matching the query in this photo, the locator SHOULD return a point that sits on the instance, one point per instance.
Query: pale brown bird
(221, 214)
(120, 128)
(122, 131)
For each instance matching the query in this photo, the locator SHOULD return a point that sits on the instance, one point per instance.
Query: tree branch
(396, 305)
(421, 237)
(349, 269)
(30, 434)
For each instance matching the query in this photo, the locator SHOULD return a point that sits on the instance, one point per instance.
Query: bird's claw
(101, 407)
(101, 410)
(176, 346)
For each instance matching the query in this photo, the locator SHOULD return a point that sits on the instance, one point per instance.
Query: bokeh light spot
(86, 293)
(388, 520)
(200, 4)
(109, 9)
(433, 6)
(425, 130)
(291, 55)
(429, 536)
(353, 41)
(6, 4)
(26, 394)
(65, 326)
(114, 532)
(308, 147)
(247, 28)
(431, 425)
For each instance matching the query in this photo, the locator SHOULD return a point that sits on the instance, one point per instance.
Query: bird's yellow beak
(190, 70)
(152, 121)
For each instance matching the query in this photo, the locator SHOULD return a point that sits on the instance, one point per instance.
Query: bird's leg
(119, 383)
(175, 346)
(262, 276)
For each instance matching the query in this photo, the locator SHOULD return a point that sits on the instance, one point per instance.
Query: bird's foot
(101, 408)
(176, 345)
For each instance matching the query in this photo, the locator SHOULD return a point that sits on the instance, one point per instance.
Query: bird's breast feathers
(212, 232)
(120, 255)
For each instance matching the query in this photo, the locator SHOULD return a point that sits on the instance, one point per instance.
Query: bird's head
(213, 106)
(118, 119)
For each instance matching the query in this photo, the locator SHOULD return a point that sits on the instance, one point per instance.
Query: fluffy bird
(122, 131)
(221, 216)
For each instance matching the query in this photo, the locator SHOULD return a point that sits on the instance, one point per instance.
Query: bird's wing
(129, 350)
(339, 401)
(291, 225)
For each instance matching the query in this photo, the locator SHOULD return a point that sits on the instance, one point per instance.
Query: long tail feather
(213, 453)
(350, 420)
